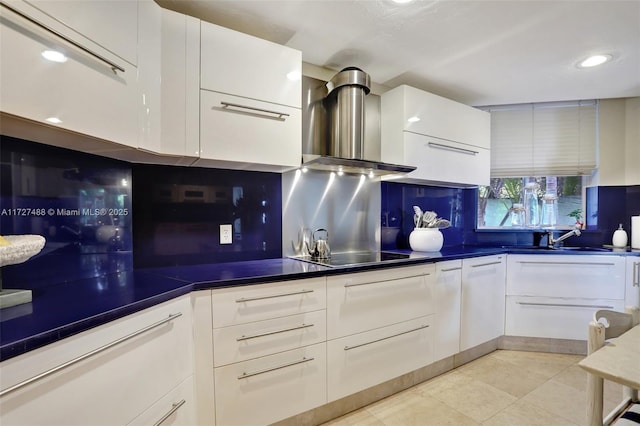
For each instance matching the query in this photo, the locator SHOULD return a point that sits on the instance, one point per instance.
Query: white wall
(619, 146)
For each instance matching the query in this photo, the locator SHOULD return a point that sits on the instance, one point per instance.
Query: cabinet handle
(348, 348)
(452, 269)
(272, 296)
(566, 263)
(280, 115)
(385, 281)
(174, 408)
(89, 354)
(636, 274)
(253, 336)
(452, 148)
(114, 67)
(278, 367)
(486, 264)
(561, 305)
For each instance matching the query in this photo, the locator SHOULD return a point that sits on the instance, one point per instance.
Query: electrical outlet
(226, 234)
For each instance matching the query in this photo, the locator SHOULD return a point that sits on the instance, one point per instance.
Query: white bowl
(426, 239)
(20, 249)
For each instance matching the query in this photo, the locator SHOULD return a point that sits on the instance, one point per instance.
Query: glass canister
(549, 210)
(518, 215)
(531, 204)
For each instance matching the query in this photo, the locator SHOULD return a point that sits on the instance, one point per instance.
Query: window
(532, 202)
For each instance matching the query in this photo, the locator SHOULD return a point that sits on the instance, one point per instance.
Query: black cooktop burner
(355, 258)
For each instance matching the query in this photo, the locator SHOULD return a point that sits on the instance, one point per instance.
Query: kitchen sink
(596, 249)
(559, 249)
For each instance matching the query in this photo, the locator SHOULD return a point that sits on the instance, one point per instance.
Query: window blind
(543, 139)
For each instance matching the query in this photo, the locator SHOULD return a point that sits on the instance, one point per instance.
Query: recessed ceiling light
(402, 1)
(54, 120)
(54, 56)
(594, 60)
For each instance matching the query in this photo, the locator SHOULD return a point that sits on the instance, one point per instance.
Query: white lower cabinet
(483, 298)
(105, 376)
(366, 359)
(175, 408)
(448, 293)
(271, 388)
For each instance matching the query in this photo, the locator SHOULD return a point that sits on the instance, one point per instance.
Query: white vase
(426, 239)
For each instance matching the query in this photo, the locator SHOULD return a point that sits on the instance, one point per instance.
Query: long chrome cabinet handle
(272, 296)
(280, 115)
(452, 148)
(636, 274)
(384, 281)
(452, 269)
(562, 305)
(270, 333)
(486, 264)
(566, 263)
(114, 67)
(89, 354)
(279, 367)
(173, 409)
(348, 348)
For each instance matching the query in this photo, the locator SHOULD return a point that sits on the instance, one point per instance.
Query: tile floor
(502, 388)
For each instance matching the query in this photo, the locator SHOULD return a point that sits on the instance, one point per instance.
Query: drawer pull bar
(114, 67)
(636, 274)
(453, 148)
(280, 115)
(279, 367)
(384, 281)
(253, 336)
(348, 348)
(88, 354)
(561, 305)
(452, 269)
(174, 408)
(251, 299)
(486, 264)
(526, 262)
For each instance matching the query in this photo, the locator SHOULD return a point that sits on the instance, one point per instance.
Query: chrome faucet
(552, 241)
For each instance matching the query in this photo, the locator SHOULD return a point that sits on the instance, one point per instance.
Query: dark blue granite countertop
(86, 300)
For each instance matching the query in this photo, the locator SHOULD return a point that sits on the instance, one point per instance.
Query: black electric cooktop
(355, 258)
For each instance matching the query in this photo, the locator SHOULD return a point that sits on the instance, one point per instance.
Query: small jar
(517, 216)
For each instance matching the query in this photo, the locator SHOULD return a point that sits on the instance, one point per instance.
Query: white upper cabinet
(447, 141)
(250, 110)
(94, 92)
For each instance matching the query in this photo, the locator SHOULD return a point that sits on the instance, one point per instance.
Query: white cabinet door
(483, 300)
(446, 161)
(632, 287)
(238, 131)
(366, 359)
(448, 293)
(252, 340)
(83, 92)
(147, 354)
(249, 67)
(588, 276)
(553, 317)
(364, 301)
(177, 408)
(240, 305)
(271, 388)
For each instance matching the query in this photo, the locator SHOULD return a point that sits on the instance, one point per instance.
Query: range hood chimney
(341, 110)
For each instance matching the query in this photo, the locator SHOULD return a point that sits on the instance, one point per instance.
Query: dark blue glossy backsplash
(179, 210)
(398, 199)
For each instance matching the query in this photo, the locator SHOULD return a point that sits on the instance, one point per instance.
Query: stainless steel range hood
(341, 126)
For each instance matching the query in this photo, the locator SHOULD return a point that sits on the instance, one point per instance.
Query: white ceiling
(476, 52)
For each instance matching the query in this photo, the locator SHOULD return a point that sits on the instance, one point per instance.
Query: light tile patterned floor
(504, 388)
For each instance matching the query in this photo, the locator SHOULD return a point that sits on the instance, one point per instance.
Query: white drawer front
(271, 388)
(446, 161)
(553, 317)
(448, 295)
(364, 301)
(247, 341)
(239, 305)
(566, 276)
(175, 408)
(130, 375)
(367, 359)
(244, 130)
